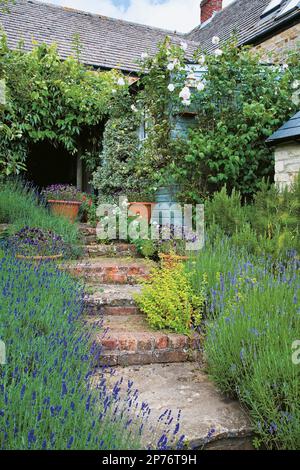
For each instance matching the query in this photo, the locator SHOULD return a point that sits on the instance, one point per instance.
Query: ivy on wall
(116, 172)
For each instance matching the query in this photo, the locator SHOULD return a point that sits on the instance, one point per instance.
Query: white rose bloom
(171, 66)
(186, 102)
(171, 87)
(144, 55)
(183, 46)
(218, 52)
(200, 86)
(285, 66)
(114, 91)
(296, 84)
(185, 94)
(121, 82)
(201, 60)
(134, 108)
(215, 40)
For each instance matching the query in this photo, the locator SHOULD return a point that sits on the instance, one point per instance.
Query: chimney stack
(209, 7)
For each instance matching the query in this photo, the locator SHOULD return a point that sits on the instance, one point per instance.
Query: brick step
(111, 300)
(128, 340)
(87, 233)
(110, 270)
(97, 250)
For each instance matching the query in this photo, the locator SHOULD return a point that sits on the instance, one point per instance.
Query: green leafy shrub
(146, 248)
(225, 211)
(168, 300)
(268, 226)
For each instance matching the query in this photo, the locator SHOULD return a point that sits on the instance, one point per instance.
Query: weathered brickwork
(287, 164)
(281, 43)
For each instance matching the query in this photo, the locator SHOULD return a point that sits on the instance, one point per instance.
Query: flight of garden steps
(112, 274)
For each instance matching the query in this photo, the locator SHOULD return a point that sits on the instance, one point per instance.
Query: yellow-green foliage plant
(168, 300)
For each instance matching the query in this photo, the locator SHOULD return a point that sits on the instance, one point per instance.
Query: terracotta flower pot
(68, 209)
(143, 209)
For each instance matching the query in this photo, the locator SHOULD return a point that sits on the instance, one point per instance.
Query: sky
(179, 15)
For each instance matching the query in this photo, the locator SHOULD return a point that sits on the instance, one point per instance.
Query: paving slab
(205, 411)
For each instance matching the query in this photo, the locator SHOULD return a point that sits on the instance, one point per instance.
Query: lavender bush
(252, 321)
(36, 242)
(49, 395)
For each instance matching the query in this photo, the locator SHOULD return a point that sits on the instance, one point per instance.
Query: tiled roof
(242, 17)
(106, 42)
(289, 131)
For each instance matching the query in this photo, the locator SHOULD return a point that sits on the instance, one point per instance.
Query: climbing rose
(134, 108)
(186, 102)
(185, 93)
(183, 46)
(121, 82)
(171, 66)
(144, 55)
(218, 52)
(215, 40)
(200, 86)
(201, 60)
(171, 87)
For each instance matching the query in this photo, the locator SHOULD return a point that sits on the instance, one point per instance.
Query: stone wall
(282, 42)
(287, 163)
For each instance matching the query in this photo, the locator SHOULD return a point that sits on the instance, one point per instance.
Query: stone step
(110, 250)
(208, 420)
(88, 233)
(128, 340)
(112, 299)
(110, 270)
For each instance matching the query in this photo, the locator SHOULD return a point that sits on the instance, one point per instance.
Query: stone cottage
(287, 151)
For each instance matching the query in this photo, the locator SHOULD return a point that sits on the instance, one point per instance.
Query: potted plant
(141, 205)
(64, 200)
(35, 244)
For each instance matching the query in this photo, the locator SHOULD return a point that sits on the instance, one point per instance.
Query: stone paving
(204, 410)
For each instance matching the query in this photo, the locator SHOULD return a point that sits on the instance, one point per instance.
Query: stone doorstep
(114, 249)
(110, 270)
(112, 300)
